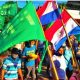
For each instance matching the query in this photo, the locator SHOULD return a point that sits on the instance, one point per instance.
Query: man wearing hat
(60, 64)
(12, 66)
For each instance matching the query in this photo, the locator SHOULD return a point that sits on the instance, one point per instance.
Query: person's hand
(74, 65)
(33, 56)
(28, 57)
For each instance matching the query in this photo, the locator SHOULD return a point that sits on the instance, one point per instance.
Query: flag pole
(74, 61)
(54, 72)
(49, 54)
(73, 18)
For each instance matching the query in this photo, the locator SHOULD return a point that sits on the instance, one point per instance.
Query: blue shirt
(12, 67)
(68, 56)
(27, 51)
(41, 44)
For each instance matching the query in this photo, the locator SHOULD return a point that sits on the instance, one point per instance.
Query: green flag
(25, 26)
(2, 19)
(9, 9)
(49, 25)
(3, 11)
(12, 10)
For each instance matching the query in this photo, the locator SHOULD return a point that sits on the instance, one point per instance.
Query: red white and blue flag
(48, 13)
(56, 33)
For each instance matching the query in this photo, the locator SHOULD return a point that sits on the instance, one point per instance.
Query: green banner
(3, 11)
(2, 19)
(9, 9)
(12, 10)
(25, 26)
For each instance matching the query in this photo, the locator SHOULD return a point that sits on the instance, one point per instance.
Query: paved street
(43, 75)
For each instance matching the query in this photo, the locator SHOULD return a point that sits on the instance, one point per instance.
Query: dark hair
(15, 51)
(27, 44)
(32, 40)
(60, 47)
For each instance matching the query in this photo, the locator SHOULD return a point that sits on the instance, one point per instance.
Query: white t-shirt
(62, 68)
(61, 60)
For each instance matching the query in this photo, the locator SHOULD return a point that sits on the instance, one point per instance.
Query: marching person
(60, 64)
(12, 66)
(30, 56)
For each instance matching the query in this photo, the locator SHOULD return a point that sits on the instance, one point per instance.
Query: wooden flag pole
(73, 55)
(37, 44)
(54, 72)
(74, 61)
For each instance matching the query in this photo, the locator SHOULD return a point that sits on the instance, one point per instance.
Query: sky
(21, 4)
(36, 3)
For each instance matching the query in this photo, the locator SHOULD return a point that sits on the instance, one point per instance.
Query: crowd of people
(22, 62)
(63, 59)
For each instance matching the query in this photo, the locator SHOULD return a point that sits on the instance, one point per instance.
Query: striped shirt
(12, 67)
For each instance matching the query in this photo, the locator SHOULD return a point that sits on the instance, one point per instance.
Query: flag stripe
(76, 30)
(49, 12)
(45, 19)
(51, 6)
(41, 10)
(60, 33)
(56, 25)
(56, 33)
